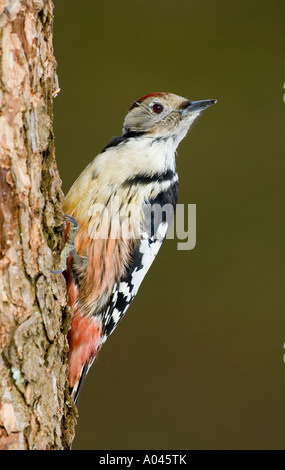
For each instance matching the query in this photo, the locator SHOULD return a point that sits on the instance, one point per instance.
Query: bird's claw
(69, 247)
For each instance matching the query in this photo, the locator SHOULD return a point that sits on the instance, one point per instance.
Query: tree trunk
(35, 411)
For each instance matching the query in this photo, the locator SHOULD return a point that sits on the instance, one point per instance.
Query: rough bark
(34, 409)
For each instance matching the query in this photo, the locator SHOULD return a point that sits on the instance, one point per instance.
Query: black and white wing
(157, 223)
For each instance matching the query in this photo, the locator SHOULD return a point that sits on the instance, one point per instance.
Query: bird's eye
(158, 108)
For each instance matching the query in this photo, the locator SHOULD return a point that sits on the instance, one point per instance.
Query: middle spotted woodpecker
(118, 233)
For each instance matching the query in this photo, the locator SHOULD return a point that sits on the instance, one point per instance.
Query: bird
(112, 232)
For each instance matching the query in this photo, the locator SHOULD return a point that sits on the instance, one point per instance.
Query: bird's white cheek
(185, 125)
(188, 120)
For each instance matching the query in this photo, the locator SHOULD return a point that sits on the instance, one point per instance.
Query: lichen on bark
(34, 316)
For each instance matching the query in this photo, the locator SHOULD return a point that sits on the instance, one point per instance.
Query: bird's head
(163, 115)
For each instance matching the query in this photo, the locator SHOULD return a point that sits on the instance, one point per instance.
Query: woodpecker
(114, 235)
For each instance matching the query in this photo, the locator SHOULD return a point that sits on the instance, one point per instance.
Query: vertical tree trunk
(34, 317)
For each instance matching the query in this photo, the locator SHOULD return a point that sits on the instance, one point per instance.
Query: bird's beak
(198, 106)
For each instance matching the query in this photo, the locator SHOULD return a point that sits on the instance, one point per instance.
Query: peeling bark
(34, 316)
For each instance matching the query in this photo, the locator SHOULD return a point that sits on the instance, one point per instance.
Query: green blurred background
(197, 362)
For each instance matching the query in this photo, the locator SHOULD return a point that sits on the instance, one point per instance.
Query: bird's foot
(69, 247)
